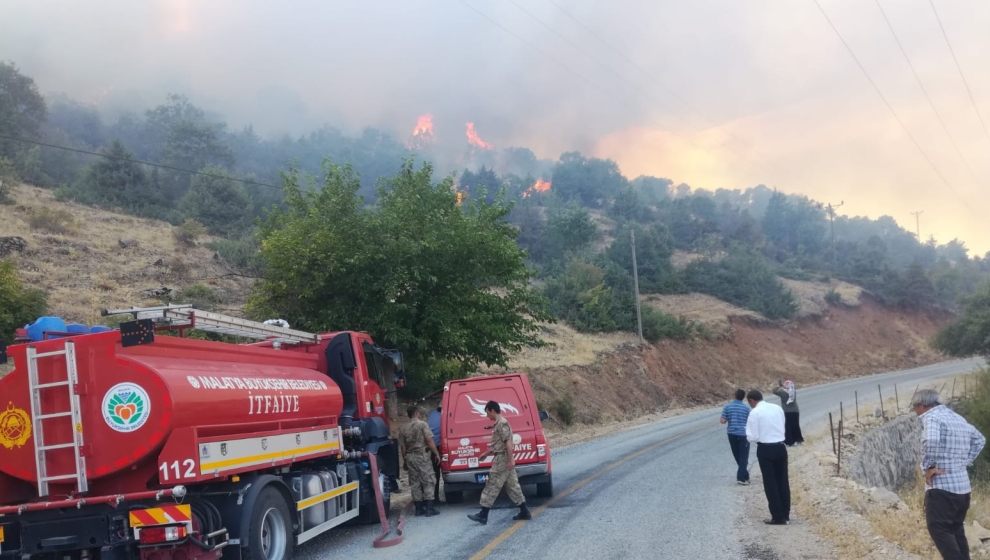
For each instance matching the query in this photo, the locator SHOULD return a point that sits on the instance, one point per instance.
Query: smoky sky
(763, 91)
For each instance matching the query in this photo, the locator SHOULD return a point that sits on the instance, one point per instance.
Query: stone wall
(888, 455)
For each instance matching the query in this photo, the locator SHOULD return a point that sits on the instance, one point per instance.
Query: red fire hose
(380, 541)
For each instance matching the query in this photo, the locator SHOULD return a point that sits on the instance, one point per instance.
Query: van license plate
(482, 478)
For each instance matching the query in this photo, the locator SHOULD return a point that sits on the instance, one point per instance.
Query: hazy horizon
(775, 84)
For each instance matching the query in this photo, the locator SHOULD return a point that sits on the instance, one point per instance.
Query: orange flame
(474, 139)
(424, 126)
(539, 186)
(460, 194)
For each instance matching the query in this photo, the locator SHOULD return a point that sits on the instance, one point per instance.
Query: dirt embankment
(632, 380)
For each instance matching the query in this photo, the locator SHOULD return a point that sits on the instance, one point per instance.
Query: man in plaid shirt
(949, 444)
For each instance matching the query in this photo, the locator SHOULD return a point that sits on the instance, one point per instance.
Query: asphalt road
(661, 490)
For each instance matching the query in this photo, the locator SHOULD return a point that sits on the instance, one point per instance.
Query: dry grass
(811, 295)
(712, 312)
(85, 269)
(681, 259)
(570, 348)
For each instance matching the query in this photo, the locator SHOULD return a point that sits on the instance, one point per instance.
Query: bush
(52, 221)
(242, 253)
(658, 325)
(200, 296)
(564, 409)
(744, 279)
(833, 297)
(5, 192)
(19, 305)
(189, 232)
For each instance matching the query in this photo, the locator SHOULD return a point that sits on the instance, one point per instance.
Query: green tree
(218, 202)
(590, 181)
(441, 281)
(19, 305)
(653, 251)
(569, 229)
(22, 111)
(969, 335)
(117, 182)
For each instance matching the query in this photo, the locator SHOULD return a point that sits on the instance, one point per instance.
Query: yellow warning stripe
(141, 518)
(310, 502)
(1, 534)
(267, 457)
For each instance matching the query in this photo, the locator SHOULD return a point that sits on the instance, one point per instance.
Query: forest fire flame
(424, 127)
(476, 140)
(538, 187)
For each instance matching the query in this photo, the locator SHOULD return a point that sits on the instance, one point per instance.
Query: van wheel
(453, 497)
(271, 528)
(545, 489)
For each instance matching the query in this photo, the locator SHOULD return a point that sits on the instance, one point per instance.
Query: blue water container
(36, 330)
(99, 328)
(76, 328)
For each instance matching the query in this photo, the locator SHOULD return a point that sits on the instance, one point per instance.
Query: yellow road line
(484, 552)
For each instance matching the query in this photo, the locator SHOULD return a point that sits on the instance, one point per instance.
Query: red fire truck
(126, 444)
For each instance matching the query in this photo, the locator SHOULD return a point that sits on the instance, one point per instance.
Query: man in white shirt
(765, 426)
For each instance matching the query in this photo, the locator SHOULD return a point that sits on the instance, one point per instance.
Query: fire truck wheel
(453, 497)
(271, 528)
(369, 514)
(545, 489)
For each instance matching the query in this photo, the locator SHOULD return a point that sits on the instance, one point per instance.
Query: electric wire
(925, 91)
(887, 103)
(958, 67)
(131, 160)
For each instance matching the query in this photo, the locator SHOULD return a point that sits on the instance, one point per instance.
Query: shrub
(833, 297)
(189, 232)
(564, 409)
(242, 252)
(744, 279)
(52, 221)
(19, 305)
(658, 325)
(5, 192)
(200, 296)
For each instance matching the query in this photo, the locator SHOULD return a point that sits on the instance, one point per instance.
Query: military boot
(480, 517)
(420, 510)
(429, 510)
(523, 513)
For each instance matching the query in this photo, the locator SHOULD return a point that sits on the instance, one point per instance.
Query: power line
(925, 91)
(131, 160)
(885, 102)
(958, 67)
(645, 72)
(571, 70)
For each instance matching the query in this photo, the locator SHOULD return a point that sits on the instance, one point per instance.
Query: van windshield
(469, 416)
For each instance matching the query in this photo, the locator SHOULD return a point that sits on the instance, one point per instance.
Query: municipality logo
(126, 407)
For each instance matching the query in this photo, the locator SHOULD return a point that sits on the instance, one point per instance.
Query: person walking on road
(949, 444)
(765, 426)
(503, 471)
(434, 421)
(792, 416)
(735, 414)
(415, 441)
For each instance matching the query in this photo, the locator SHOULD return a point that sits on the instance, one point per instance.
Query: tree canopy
(414, 269)
(969, 335)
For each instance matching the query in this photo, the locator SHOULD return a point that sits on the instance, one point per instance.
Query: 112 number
(189, 465)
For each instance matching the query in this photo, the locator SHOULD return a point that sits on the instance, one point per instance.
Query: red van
(465, 432)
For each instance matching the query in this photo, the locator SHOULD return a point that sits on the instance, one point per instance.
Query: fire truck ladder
(186, 317)
(38, 418)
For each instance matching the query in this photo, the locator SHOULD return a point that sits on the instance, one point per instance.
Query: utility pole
(639, 316)
(917, 224)
(831, 220)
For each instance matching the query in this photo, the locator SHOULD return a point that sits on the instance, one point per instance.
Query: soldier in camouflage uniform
(503, 471)
(415, 444)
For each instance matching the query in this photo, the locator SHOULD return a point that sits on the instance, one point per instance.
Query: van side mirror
(544, 415)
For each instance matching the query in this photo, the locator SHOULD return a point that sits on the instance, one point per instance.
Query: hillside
(590, 377)
(74, 253)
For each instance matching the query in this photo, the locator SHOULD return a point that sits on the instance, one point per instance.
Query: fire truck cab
(465, 432)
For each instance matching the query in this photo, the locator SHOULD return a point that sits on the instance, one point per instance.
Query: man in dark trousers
(434, 422)
(735, 415)
(949, 444)
(765, 426)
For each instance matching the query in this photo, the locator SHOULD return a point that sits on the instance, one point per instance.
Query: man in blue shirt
(434, 422)
(735, 415)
